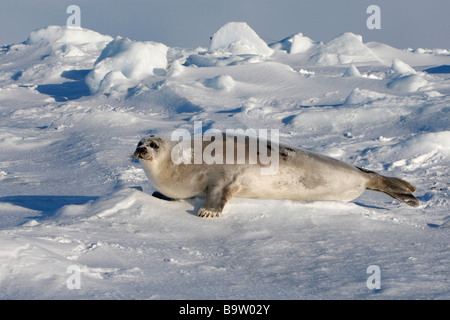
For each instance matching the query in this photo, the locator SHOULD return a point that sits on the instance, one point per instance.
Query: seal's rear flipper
(397, 188)
(407, 198)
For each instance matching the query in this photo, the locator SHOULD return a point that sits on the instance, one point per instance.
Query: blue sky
(190, 23)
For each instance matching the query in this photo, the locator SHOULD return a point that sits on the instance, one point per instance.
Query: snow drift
(408, 83)
(400, 68)
(352, 71)
(126, 59)
(345, 49)
(238, 38)
(220, 82)
(297, 43)
(58, 37)
(419, 151)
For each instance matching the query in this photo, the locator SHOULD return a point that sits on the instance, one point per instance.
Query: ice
(344, 49)
(352, 71)
(238, 38)
(221, 82)
(297, 43)
(386, 54)
(362, 96)
(399, 67)
(134, 60)
(418, 147)
(300, 44)
(408, 83)
(75, 40)
(65, 35)
(406, 78)
(72, 196)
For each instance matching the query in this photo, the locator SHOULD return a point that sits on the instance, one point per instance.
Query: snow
(409, 83)
(352, 71)
(56, 36)
(300, 44)
(74, 104)
(297, 43)
(399, 67)
(407, 80)
(220, 82)
(124, 59)
(345, 49)
(238, 38)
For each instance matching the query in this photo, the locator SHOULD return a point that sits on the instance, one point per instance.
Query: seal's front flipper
(209, 213)
(216, 198)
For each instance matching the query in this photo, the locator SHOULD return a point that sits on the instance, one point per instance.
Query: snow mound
(406, 78)
(105, 206)
(408, 83)
(345, 49)
(347, 120)
(435, 51)
(298, 43)
(239, 38)
(363, 96)
(126, 59)
(58, 36)
(220, 59)
(352, 71)
(220, 82)
(421, 150)
(399, 67)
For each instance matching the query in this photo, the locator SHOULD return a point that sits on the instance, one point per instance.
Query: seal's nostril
(141, 150)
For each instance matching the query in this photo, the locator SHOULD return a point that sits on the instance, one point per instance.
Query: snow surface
(124, 59)
(238, 38)
(74, 104)
(347, 48)
(352, 71)
(297, 43)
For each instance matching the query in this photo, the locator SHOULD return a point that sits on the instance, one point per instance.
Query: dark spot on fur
(284, 153)
(154, 145)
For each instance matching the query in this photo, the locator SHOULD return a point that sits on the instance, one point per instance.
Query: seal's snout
(140, 152)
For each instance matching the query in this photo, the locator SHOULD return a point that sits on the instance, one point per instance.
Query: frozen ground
(74, 104)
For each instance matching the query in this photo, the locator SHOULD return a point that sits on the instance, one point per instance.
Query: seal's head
(148, 148)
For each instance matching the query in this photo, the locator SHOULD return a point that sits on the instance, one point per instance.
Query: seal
(301, 175)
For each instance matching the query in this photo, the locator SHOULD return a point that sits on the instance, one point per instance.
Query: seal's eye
(153, 145)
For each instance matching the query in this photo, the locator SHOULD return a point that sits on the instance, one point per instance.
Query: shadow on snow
(69, 90)
(48, 206)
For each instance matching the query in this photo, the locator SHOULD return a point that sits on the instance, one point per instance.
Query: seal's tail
(397, 188)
